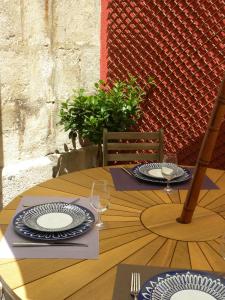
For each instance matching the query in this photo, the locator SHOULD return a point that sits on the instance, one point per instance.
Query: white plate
(153, 180)
(33, 234)
(155, 173)
(183, 285)
(52, 217)
(154, 170)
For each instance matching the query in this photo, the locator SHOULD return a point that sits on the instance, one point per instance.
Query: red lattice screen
(181, 44)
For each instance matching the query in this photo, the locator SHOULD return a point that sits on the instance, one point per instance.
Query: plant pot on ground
(116, 108)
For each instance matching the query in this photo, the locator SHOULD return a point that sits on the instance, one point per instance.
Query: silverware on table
(128, 172)
(135, 285)
(66, 203)
(41, 244)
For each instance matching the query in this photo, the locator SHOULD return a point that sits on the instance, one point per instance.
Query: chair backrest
(132, 146)
(6, 293)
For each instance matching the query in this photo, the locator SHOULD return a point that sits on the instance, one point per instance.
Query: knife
(66, 203)
(128, 172)
(30, 244)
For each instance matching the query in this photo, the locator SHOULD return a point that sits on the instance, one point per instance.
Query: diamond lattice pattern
(181, 44)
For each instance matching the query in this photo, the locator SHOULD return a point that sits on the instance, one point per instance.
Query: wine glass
(100, 197)
(169, 169)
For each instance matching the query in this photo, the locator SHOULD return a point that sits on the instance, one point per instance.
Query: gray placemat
(123, 278)
(91, 237)
(125, 182)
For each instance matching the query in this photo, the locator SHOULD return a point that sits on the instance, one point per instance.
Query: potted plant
(116, 108)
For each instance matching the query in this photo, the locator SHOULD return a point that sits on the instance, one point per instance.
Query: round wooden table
(133, 236)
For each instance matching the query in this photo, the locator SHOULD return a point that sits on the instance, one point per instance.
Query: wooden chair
(132, 146)
(6, 293)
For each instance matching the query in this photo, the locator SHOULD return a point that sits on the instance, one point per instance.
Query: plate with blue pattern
(154, 170)
(54, 216)
(29, 233)
(183, 285)
(185, 177)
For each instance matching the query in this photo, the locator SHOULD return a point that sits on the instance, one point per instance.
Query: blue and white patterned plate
(183, 285)
(187, 176)
(29, 233)
(154, 170)
(55, 216)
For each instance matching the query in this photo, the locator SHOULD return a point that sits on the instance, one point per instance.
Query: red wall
(181, 44)
(103, 37)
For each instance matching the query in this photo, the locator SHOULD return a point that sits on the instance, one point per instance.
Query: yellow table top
(129, 238)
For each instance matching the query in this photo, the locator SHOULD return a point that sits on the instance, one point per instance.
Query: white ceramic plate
(154, 170)
(184, 285)
(33, 234)
(50, 217)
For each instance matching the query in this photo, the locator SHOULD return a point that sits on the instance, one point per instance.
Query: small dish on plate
(154, 170)
(55, 216)
(183, 285)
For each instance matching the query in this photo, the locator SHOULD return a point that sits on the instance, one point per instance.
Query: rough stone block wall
(47, 49)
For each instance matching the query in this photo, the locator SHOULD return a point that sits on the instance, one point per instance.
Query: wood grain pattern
(198, 259)
(181, 257)
(162, 220)
(125, 240)
(116, 148)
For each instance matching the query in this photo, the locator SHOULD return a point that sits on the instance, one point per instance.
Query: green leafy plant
(116, 108)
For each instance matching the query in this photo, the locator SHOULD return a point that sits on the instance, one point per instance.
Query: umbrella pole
(205, 155)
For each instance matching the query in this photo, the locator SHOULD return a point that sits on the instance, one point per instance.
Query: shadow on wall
(75, 160)
(189, 155)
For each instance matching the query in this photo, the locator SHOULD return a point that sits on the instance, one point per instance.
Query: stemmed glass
(169, 169)
(100, 197)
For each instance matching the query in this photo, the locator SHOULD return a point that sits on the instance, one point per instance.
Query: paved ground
(19, 177)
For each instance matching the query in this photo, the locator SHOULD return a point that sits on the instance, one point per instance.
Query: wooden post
(205, 155)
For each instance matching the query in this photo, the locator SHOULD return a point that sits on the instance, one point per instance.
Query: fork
(135, 285)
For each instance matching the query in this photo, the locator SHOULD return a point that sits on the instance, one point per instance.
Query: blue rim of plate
(144, 168)
(187, 176)
(163, 286)
(21, 229)
(30, 218)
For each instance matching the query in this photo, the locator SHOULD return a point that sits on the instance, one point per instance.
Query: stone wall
(47, 49)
